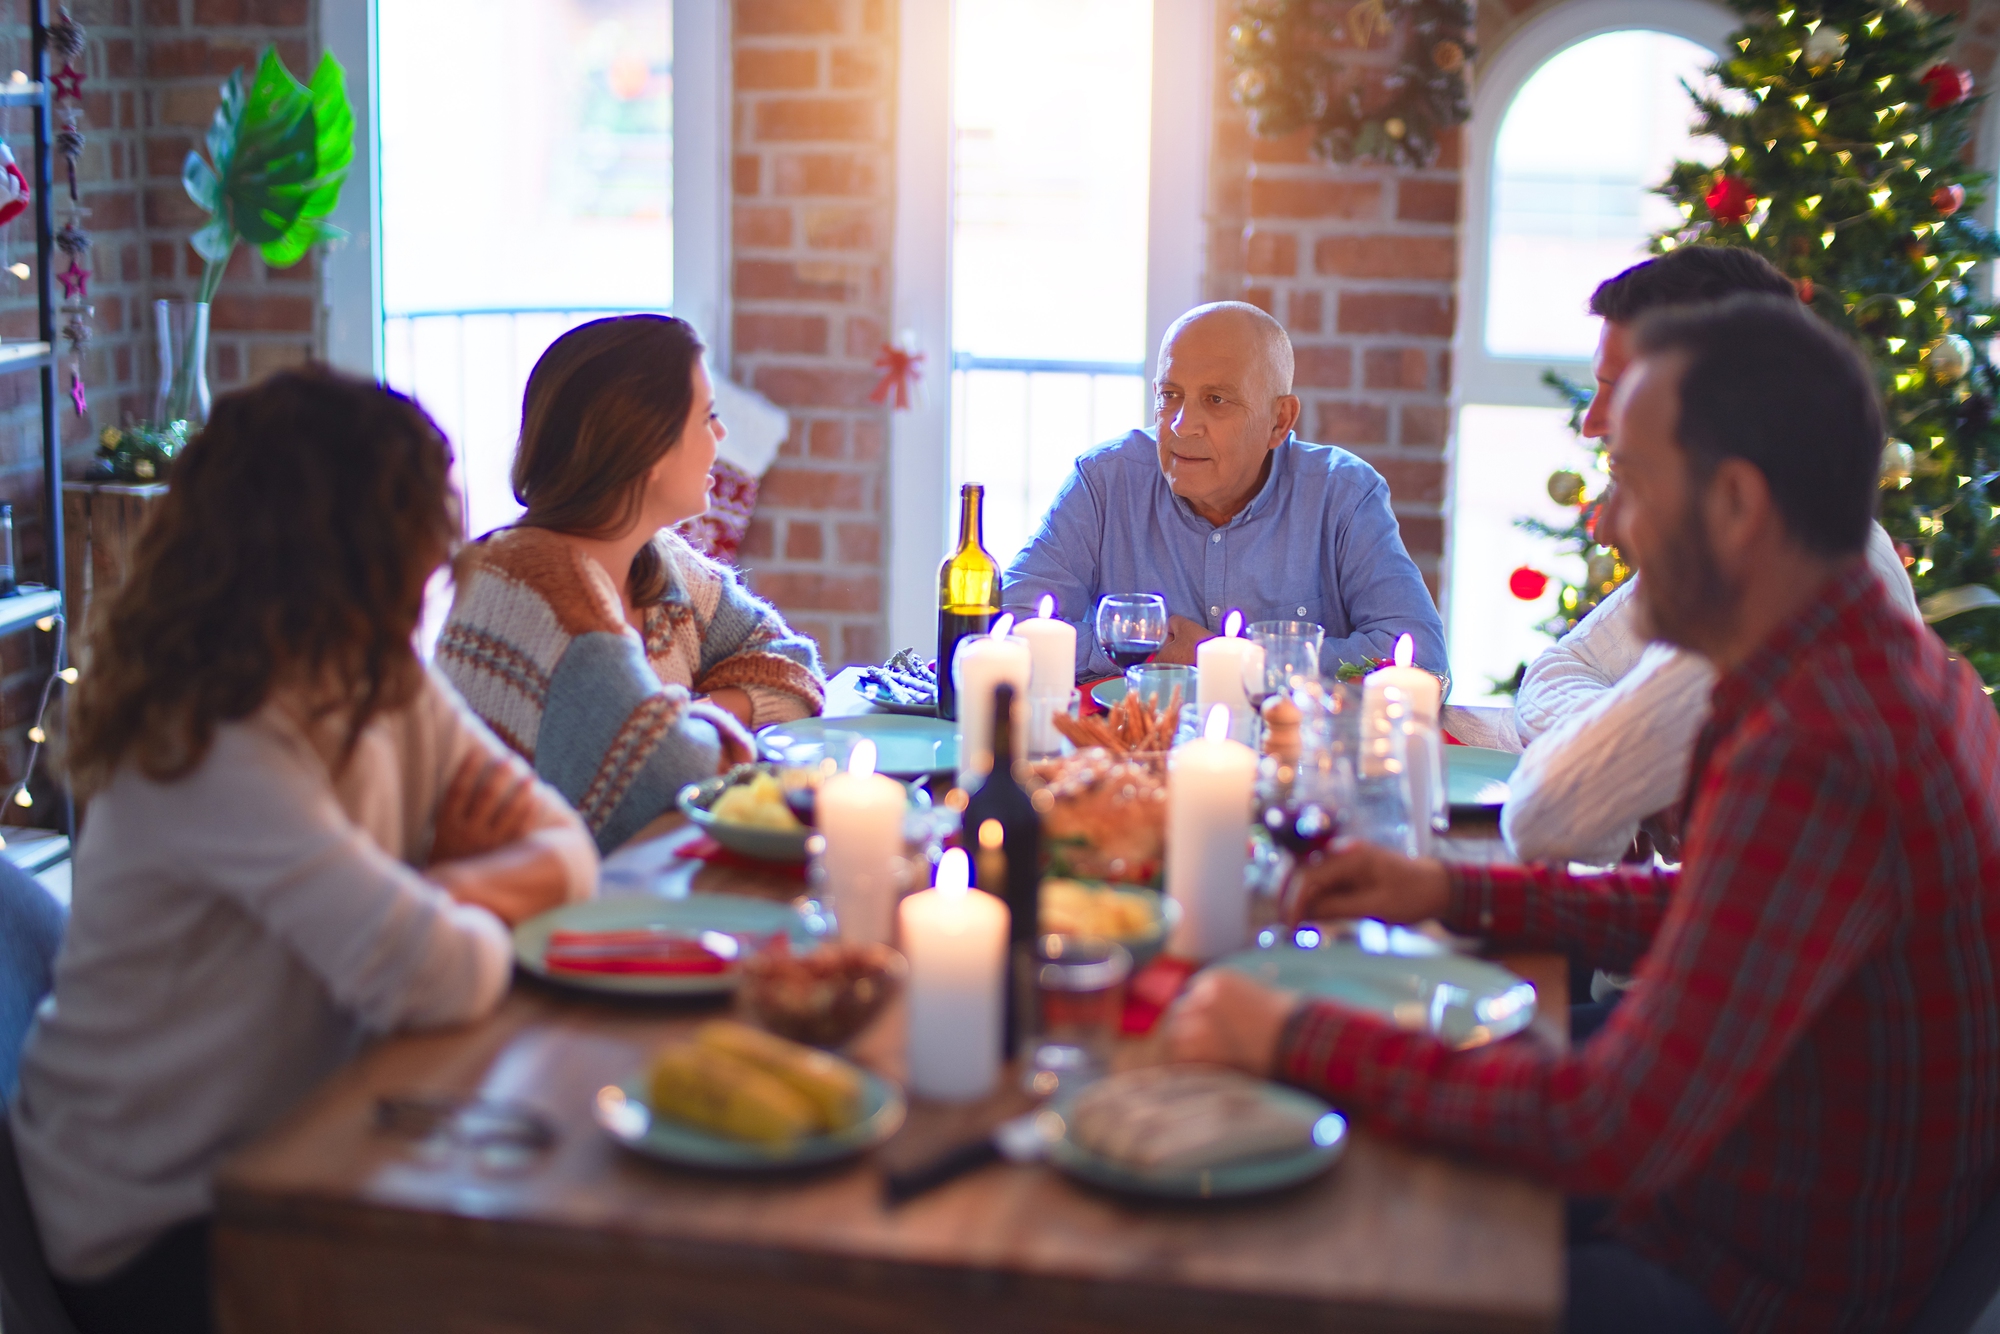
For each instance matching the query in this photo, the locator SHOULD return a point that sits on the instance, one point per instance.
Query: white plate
(729, 913)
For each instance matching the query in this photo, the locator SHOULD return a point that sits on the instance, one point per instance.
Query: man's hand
(1356, 879)
(488, 804)
(737, 746)
(1182, 636)
(1226, 1019)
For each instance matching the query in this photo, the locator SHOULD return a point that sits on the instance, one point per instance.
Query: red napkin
(643, 950)
(1090, 706)
(1152, 990)
(706, 849)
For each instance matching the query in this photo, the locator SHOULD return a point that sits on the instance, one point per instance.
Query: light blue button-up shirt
(1317, 543)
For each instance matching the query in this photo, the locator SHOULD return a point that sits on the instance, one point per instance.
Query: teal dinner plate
(906, 747)
(727, 913)
(1477, 777)
(771, 845)
(622, 1111)
(1463, 1002)
(1252, 1176)
(1109, 691)
(874, 693)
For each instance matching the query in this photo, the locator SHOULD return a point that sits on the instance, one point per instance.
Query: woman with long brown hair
(296, 837)
(589, 636)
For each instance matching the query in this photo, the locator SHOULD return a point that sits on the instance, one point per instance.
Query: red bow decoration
(899, 369)
(13, 187)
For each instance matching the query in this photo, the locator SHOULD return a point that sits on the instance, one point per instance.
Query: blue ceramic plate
(1477, 777)
(874, 693)
(771, 845)
(905, 746)
(1109, 691)
(623, 1113)
(1252, 1176)
(728, 913)
(1463, 1002)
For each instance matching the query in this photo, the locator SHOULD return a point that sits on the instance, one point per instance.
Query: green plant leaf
(214, 241)
(202, 185)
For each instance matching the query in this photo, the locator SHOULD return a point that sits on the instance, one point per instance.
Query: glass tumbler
(1071, 992)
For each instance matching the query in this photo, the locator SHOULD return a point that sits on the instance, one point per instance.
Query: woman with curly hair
(593, 640)
(297, 836)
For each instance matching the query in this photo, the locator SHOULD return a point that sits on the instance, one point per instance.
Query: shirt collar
(1759, 676)
(1260, 504)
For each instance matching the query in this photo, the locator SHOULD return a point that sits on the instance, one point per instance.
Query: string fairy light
(38, 734)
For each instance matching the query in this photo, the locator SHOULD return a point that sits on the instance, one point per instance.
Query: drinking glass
(1131, 627)
(1387, 811)
(1306, 804)
(1291, 649)
(1071, 994)
(1044, 739)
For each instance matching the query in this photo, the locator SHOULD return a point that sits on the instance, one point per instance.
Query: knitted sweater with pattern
(538, 645)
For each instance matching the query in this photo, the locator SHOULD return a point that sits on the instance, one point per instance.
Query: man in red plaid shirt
(1796, 1112)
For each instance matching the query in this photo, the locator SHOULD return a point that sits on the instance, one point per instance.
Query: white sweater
(233, 938)
(1610, 723)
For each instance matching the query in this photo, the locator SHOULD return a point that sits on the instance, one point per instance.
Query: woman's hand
(1224, 1018)
(736, 700)
(515, 883)
(488, 804)
(737, 745)
(1356, 879)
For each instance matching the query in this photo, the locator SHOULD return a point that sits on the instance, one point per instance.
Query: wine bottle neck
(971, 529)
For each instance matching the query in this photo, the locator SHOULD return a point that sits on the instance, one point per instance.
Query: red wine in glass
(1130, 653)
(1301, 827)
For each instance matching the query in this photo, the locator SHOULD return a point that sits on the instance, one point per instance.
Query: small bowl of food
(824, 996)
(1138, 919)
(745, 811)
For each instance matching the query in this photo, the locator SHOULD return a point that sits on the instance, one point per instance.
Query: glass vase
(181, 330)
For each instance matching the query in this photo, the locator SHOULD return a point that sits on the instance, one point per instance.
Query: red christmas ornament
(1527, 583)
(1730, 199)
(1947, 84)
(1947, 199)
(1805, 287)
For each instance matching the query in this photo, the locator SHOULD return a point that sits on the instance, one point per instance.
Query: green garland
(1301, 63)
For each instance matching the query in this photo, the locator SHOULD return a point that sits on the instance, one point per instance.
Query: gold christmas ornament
(1948, 359)
(1565, 487)
(1897, 461)
(1448, 56)
(1394, 128)
(1601, 569)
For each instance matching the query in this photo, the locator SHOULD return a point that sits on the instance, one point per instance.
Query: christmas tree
(1844, 165)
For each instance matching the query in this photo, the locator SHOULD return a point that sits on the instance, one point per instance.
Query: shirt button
(1215, 611)
(1215, 537)
(1302, 611)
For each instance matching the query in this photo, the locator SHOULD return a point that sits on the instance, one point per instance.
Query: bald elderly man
(1220, 506)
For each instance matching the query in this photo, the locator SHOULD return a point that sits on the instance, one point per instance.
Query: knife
(1023, 1139)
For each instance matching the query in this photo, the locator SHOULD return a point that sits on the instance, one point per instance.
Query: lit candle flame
(1004, 626)
(1048, 607)
(1406, 648)
(861, 760)
(954, 873)
(1232, 626)
(1217, 726)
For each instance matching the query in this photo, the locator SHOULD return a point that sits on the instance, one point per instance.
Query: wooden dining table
(332, 1222)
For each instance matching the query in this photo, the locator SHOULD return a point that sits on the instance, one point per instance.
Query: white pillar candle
(1422, 692)
(1208, 840)
(981, 663)
(956, 940)
(860, 815)
(1220, 664)
(1051, 673)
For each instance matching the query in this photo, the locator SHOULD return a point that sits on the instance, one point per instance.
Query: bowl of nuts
(824, 996)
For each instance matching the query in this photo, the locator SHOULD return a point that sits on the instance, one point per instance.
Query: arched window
(1576, 119)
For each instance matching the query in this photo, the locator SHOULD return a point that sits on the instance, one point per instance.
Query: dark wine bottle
(1013, 871)
(968, 594)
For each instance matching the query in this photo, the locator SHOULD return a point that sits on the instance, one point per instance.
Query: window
(1576, 120)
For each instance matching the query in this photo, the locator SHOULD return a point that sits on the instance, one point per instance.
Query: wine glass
(1131, 627)
(1291, 650)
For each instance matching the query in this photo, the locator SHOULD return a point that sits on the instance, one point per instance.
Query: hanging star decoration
(901, 365)
(76, 395)
(68, 83)
(75, 280)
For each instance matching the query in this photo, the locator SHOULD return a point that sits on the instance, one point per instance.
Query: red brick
(804, 540)
(1395, 368)
(1282, 198)
(120, 58)
(1423, 534)
(869, 443)
(858, 543)
(183, 57)
(831, 227)
(165, 258)
(860, 643)
(864, 337)
(1427, 201)
(1387, 256)
(860, 67)
(1292, 148)
(783, 68)
(759, 540)
(809, 591)
(758, 331)
(786, 18)
(118, 210)
(781, 280)
(1344, 423)
(1305, 313)
(875, 17)
(810, 386)
(788, 487)
(1444, 373)
(1395, 313)
(1423, 424)
(1320, 367)
(1273, 254)
(246, 312)
(1261, 297)
(745, 173)
(785, 119)
(827, 174)
(769, 228)
(826, 439)
(1412, 481)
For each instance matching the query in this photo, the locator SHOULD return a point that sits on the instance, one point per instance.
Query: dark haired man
(1609, 720)
(1795, 1111)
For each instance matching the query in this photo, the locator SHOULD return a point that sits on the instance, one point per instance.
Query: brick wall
(810, 288)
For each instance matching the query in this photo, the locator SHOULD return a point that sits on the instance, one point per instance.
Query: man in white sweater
(1609, 720)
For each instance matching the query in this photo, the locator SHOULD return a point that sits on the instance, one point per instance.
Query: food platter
(771, 845)
(622, 1112)
(729, 914)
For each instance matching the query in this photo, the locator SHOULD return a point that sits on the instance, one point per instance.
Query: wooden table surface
(328, 1224)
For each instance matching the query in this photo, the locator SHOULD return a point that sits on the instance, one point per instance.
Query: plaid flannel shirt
(1798, 1110)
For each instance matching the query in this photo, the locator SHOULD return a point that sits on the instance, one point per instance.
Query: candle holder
(1044, 740)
